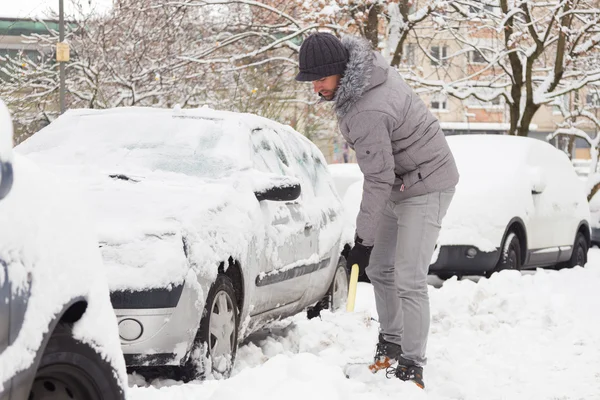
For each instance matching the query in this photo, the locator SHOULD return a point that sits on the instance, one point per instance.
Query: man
(409, 180)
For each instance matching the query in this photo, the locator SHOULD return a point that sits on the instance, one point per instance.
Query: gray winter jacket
(399, 144)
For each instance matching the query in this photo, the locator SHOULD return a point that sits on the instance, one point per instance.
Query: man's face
(327, 86)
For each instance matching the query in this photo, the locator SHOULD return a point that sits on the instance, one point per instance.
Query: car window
(309, 163)
(267, 155)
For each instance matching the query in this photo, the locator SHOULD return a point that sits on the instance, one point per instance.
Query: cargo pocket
(370, 160)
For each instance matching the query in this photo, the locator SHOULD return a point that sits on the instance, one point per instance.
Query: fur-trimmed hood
(363, 65)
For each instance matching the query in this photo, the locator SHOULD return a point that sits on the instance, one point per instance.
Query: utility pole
(61, 62)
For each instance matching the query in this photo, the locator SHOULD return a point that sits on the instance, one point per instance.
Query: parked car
(519, 205)
(58, 333)
(212, 225)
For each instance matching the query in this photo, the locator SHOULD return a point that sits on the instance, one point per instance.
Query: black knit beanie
(321, 55)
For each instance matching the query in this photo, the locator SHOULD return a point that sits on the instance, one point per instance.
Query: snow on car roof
(198, 142)
(494, 153)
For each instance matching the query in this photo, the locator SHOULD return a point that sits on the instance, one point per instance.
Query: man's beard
(325, 98)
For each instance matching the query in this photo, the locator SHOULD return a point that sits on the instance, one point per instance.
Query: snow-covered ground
(514, 336)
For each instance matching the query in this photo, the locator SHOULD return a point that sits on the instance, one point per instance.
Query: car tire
(510, 257)
(209, 353)
(580, 250)
(70, 369)
(336, 295)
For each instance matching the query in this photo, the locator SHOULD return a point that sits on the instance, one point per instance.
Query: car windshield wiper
(123, 177)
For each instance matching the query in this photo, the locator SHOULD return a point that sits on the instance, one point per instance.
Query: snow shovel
(352, 288)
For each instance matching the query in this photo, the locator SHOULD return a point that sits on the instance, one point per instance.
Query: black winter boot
(407, 370)
(386, 354)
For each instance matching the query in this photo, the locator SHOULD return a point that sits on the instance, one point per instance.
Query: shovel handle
(352, 288)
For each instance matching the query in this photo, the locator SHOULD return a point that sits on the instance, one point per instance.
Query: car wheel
(336, 295)
(338, 292)
(511, 254)
(216, 342)
(70, 369)
(580, 250)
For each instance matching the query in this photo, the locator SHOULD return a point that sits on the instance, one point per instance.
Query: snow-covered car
(212, 224)
(519, 204)
(58, 332)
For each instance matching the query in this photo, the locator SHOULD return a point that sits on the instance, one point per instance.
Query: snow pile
(517, 336)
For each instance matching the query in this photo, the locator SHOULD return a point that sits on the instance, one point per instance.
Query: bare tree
(527, 52)
(576, 120)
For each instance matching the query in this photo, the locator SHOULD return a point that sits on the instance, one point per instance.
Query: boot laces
(401, 371)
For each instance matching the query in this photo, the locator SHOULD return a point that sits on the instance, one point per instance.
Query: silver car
(58, 334)
(212, 224)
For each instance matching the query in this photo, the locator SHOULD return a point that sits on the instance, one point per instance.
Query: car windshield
(135, 142)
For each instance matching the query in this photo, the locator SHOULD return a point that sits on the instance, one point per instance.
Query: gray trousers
(406, 237)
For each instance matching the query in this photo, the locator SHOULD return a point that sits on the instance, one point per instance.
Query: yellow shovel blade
(352, 288)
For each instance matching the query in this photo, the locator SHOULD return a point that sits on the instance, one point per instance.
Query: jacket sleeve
(370, 133)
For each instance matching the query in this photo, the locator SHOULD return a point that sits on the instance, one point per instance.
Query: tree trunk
(528, 113)
(399, 50)
(593, 191)
(570, 146)
(372, 29)
(517, 69)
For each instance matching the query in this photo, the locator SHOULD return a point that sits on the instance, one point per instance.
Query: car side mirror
(537, 179)
(287, 192)
(6, 138)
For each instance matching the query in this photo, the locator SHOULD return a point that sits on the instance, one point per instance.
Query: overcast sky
(41, 8)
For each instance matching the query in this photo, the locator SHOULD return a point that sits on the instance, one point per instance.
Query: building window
(477, 58)
(439, 102)
(592, 100)
(439, 54)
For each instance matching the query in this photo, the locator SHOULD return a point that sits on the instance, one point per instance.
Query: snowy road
(514, 336)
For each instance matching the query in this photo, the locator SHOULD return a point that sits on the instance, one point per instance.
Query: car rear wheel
(580, 250)
(70, 369)
(510, 258)
(215, 346)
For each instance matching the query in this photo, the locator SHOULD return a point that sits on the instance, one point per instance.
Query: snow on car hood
(47, 242)
(152, 231)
